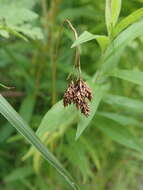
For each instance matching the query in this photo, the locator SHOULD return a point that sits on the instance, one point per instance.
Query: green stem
(51, 41)
(45, 13)
(77, 56)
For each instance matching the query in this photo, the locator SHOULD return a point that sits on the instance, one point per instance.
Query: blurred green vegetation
(109, 154)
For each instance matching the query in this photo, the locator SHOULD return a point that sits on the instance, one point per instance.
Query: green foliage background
(36, 58)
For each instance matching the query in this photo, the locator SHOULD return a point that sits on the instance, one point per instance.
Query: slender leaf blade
(121, 119)
(131, 76)
(64, 117)
(116, 48)
(123, 24)
(83, 121)
(14, 118)
(119, 133)
(124, 102)
(112, 11)
(102, 40)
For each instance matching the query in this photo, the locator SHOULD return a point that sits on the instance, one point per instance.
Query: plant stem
(51, 41)
(77, 56)
(45, 12)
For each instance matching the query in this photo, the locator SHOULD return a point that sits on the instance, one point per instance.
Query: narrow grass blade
(116, 48)
(113, 8)
(64, 117)
(129, 75)
(83, 123)
(124, 23)
(102, 40)
(121, 119)
(14, 118)
(118, 133)
(125, 103)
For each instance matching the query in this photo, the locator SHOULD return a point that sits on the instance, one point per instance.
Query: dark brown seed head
(84, 90)
(69, 94)
(85, 109)
(77, 93)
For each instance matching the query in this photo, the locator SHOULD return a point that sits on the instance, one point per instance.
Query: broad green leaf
(121, 119)
(16, 16)
(30, 31)
(98, 93)
(116, 48)
(118, 133)
(131, 76)
(86, 36)
(124, 23)
(17, 20)
(19, 4)
(12, 31)
(14, 118)
(112, 11)
(26, 30)
(48, 138)
(64, 117)
(124, 102)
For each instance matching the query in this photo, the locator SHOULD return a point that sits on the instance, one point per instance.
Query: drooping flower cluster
(78, 93)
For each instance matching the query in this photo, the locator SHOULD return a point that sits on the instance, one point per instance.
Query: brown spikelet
(77, 93)
(85, 90)
(85, 109)
(69, 94)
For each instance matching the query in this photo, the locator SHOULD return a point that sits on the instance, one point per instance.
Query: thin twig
(73, 29)
(52, 13)
(77, 57)
(45, 12)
